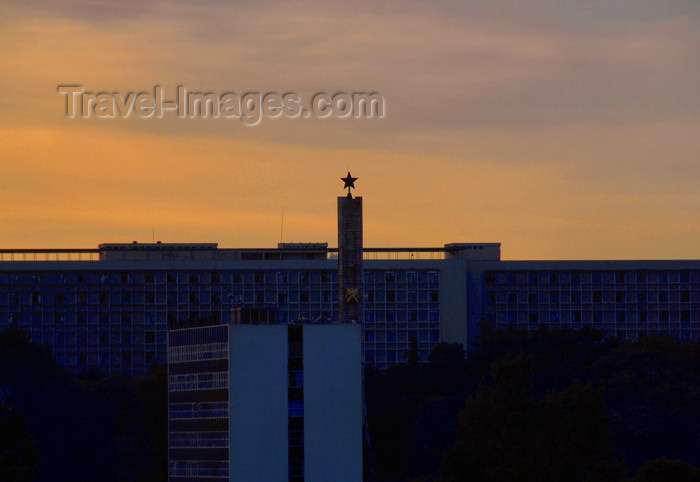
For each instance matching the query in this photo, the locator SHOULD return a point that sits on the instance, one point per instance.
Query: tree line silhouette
(545, 405)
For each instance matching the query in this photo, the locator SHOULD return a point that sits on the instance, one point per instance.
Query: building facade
(112, 313)
(110, 309)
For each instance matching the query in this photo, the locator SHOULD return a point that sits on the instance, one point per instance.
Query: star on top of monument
(349, 182)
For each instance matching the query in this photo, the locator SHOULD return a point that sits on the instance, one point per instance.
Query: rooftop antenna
(154, 234)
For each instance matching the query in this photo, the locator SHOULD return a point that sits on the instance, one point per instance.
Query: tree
(506, 433)
(663, 470)
(18, 453)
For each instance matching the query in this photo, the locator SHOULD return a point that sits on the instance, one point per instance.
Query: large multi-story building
(112, 312)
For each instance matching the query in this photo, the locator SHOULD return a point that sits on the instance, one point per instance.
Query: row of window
(177, 277)
(619, 316)
(596, 277)
(402, 336)
(385, 358)
(198, 381)
(597, 296)
(410, 277)
(196, 468)
(401, 316)
(186, 353)
(197, 439)
(213, 277)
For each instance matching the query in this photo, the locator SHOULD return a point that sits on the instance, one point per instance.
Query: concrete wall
(258, 412)
(453, 303)
(333, 403)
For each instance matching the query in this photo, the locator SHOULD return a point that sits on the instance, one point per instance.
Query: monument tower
(349, 254)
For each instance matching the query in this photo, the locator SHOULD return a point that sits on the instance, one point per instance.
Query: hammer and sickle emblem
(352, 295)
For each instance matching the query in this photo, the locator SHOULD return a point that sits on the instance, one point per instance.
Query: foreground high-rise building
(110, 308)
(265, 402)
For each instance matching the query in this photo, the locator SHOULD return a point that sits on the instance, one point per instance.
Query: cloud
(516, 121)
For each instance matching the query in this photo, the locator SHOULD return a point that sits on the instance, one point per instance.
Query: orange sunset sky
(563, 130)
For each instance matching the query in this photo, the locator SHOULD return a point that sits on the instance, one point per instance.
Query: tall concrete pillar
(350, 255)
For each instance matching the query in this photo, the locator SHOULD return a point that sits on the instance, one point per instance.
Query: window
(296, 379)
(296, 408)
(389, 276)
